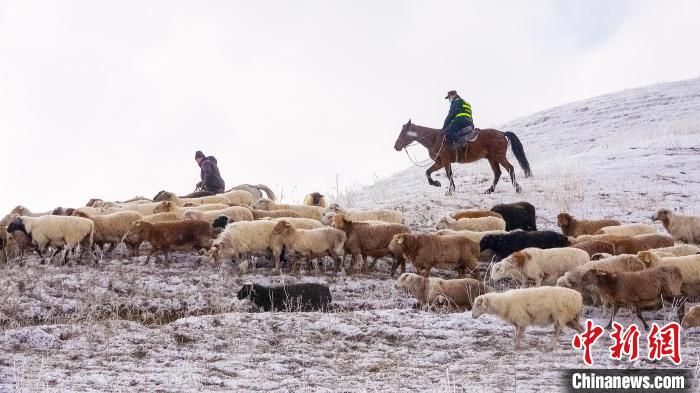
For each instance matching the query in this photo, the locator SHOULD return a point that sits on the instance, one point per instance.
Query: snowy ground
(126, 326)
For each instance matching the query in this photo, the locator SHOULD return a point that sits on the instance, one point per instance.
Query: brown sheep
(258, 214)
(456, 294)
(635, 244)
(475, 214)
(163, 236)
(427, 250)
(370, 240)
(309, 243)
(573, 227)
(639, 290)
(593, 247)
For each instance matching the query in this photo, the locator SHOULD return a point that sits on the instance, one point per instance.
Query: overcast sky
(112, 98)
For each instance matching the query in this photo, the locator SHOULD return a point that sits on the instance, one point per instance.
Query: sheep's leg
(427, 270)
(398, 261)
(681, 307)
(365, 265)
(557, 334)
(641, 318)
(519, 331)
(150, 253)
(612, 316)
(167, 258)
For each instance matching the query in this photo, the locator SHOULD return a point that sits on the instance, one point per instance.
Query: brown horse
(491, 144)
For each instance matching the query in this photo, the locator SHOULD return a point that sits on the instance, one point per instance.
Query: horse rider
(458, 120)
(209, 173)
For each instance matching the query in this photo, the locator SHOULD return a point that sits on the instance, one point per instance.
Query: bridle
(431, 133)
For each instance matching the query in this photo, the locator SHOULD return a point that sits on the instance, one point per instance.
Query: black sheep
(293, 297)
(519, 215)
(507, 243)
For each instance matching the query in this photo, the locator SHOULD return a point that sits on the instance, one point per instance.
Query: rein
(442, 143)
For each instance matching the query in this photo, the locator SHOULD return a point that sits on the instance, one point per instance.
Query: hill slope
(620, 154)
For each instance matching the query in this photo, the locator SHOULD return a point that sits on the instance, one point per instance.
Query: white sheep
(627, 230)
(679, 250)
(612, 264)
(143, 208)
(682, 227)
(689, 266)
(312, 212)
(480, 224)
(242, 239)
(238, 197)
(538, 265)
(533, 306)
(385, 215)
(110, 229)
(471, 235)
(99, 211)
(308, 243)
(56, 231)
(234, 214)
(298, 222)
(161, 217)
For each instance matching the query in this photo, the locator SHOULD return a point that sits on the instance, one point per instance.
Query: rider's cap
(451, 93)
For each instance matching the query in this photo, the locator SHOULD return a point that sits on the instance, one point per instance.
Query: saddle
(466, 135)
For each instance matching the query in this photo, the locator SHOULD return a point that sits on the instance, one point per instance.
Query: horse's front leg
(430, 170)
(448, 172)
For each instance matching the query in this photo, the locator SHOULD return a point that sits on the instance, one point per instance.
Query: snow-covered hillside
(620, 155)
(127, 326)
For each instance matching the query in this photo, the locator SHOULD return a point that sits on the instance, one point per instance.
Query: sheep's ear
(400, 240)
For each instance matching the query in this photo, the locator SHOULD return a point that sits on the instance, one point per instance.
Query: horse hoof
(436, 184)
(518, 189)
(489, 191)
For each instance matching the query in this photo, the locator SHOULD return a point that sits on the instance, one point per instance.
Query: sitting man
(458, 118)
(211, 182)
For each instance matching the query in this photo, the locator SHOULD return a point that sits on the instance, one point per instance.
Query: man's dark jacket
(211, 178)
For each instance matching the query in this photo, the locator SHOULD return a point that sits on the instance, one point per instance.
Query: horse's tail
(519, 152)
(267, 190)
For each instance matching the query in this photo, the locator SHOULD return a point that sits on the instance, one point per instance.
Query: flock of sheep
(594, 261)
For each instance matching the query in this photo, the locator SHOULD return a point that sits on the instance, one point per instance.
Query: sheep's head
(645, 256)
(246, 291)
(406, 280)
(190, 215)
(396, 246)
(21, 211)
(563, 219)
(327, 218)
(261, 204)
(16, 225)
(662, 215)
(340, 222)
(92, 202)
(600, 255)
(488, 242)
(136, 232)
(691, 318)
(445, 223)
(564, 281)
(480, 306)
(283, 228)
(164, 207)
(501, 270)
(593, 277)
(78, 213)
(333, 208)
(220, 222)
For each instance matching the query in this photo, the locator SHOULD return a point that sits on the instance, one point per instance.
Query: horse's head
(406, 136)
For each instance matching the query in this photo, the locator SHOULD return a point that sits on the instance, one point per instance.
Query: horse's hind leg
(511, 172)
(448, 172)
(496, 174)
(430, 170)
